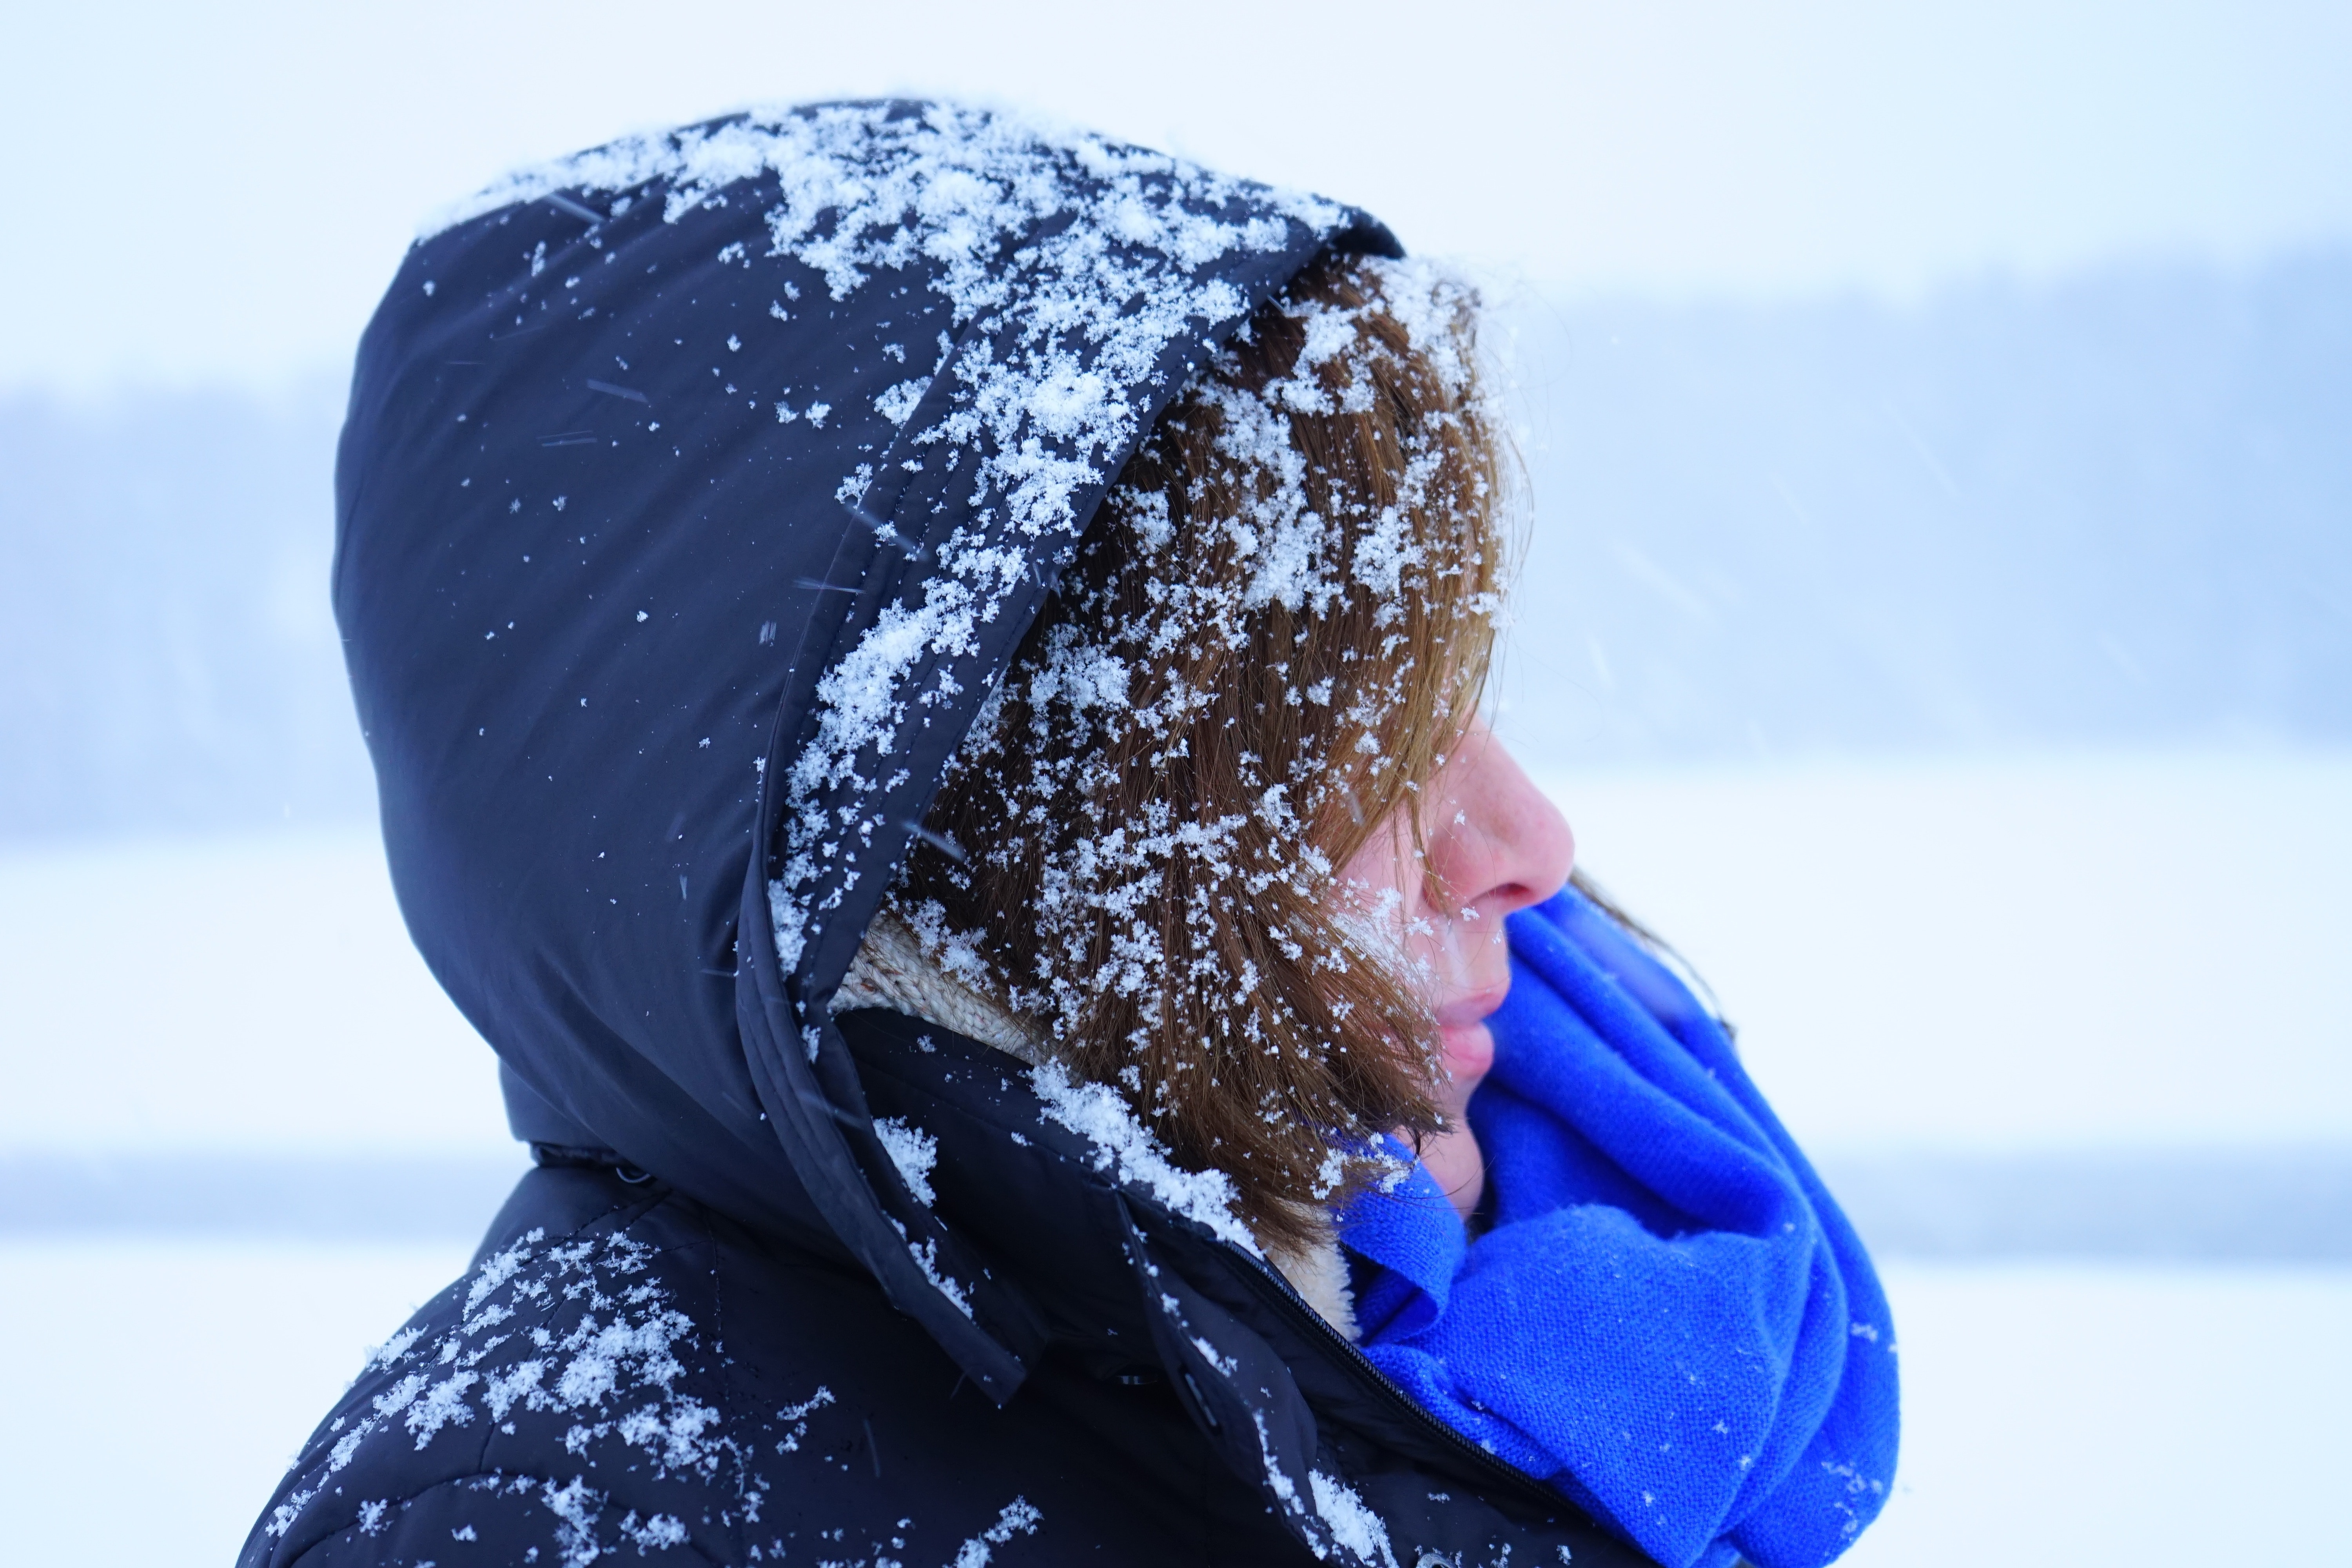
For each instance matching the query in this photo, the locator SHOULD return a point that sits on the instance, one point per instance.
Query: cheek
(1375, 883)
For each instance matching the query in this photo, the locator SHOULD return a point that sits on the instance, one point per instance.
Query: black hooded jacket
(693, 493)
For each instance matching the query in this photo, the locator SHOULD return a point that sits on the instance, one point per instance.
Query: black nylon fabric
(641, 455)
(591, 577)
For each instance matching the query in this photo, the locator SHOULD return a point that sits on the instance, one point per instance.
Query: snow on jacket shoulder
(693, 492)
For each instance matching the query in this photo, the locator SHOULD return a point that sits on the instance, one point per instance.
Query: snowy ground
(2053, 960)
(2113, 951)
(238, 993)
(2063, 1416)
(157, 1388)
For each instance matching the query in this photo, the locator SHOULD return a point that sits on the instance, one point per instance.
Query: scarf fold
(1670, 1320)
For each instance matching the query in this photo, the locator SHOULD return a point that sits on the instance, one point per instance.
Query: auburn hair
(1263, 647)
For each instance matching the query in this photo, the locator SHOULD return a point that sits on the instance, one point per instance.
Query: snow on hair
(1267, 640)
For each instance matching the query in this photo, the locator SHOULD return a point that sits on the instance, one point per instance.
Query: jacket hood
(695, 491)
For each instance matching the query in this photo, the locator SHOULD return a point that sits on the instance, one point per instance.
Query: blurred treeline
(2112, 511)
(168, 659)
(2115, 511)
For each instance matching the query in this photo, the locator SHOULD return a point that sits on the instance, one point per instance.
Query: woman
(923, 680)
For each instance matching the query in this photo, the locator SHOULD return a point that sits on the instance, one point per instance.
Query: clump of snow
(798, 1415)
(1210, 1353)
(495, 1271)
(393, 1349)
(898, 404)
(955, 954)
(661, 1532)
(1123, 1146)
(1019, 1517)
(575, 1506)
(1353, 1525)
(1277, 1480)
(927, 1258)
(913, 1152)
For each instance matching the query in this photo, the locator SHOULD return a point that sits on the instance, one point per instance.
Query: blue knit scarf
(1669, 1320)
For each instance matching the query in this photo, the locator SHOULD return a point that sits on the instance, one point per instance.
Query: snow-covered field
(2074, 1416)
(232, 994)
(2124, 953)
(156, 1388)
(2121, 951)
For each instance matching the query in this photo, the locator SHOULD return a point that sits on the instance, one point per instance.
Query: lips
(1464, 1038)
(1468, 1007)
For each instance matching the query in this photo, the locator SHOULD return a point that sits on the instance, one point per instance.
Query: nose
(1497, 844)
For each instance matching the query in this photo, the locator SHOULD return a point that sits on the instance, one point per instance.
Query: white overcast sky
(218, 192)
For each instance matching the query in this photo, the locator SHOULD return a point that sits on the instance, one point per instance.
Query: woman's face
(1493, 843)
